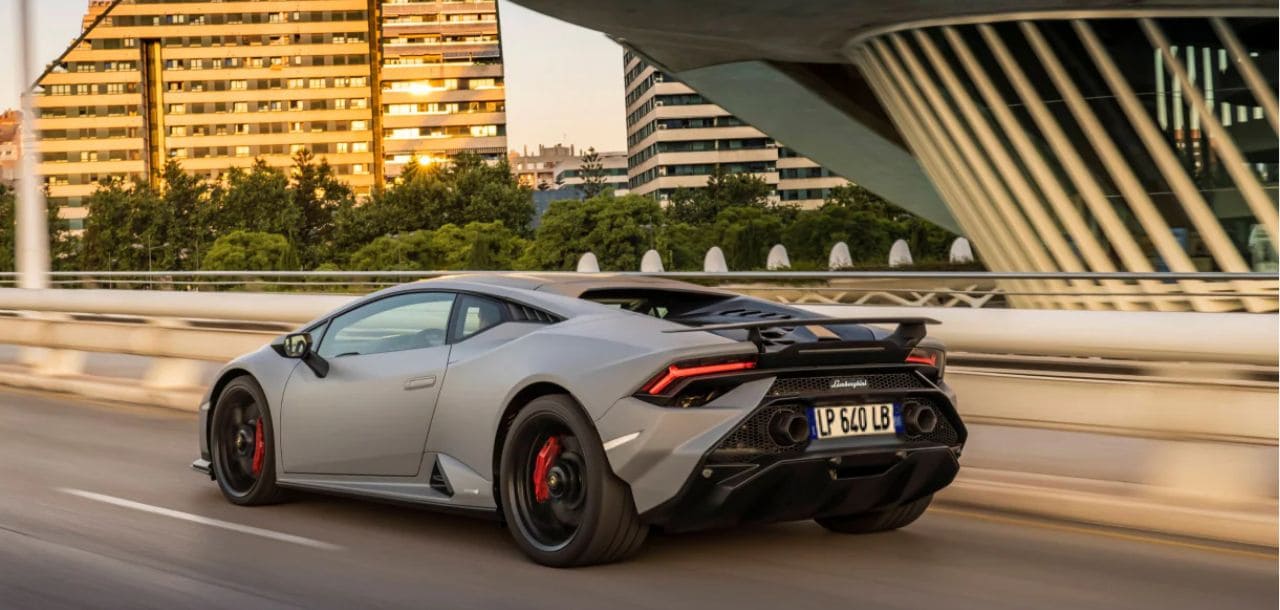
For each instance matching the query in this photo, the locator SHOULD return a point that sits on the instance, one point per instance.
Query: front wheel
(890, 518)
(562, 503)
(242, 441)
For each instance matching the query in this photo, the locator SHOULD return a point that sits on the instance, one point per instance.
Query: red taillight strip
(929, 360)
(675, 373)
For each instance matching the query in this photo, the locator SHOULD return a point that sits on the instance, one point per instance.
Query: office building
(613, 170)
(676, 138)
(538, 170)
(441, 82)
(366, 85)
(10, 146)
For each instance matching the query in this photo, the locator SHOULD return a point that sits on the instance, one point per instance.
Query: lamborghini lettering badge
(848, 383)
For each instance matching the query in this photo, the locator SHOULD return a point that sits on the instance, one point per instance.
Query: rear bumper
(811, 485)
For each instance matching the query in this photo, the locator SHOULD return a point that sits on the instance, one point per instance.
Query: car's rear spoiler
(909, 332)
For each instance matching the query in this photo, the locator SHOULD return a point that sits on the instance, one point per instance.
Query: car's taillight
(679, 371)
(930, 357)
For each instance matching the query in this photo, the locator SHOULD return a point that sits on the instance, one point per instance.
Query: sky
(564, 83)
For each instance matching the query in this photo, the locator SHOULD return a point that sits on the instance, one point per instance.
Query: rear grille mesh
(752, 436)
(942, 433)
(822, 385)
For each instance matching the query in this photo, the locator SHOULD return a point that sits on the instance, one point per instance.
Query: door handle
(418, 383)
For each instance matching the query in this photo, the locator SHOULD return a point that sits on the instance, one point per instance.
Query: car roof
(575, 285)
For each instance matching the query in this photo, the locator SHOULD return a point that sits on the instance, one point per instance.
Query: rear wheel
(891, 518)
(563, 504)
(242, 441)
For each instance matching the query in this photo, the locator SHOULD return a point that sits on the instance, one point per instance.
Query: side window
(476, 314)
(406, 321)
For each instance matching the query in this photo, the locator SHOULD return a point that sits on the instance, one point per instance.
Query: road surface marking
(226, 525)
(1101, 532)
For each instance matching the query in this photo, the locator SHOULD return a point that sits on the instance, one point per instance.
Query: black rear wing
(909, 332)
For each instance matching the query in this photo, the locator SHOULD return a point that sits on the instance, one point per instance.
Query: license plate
(852, 420)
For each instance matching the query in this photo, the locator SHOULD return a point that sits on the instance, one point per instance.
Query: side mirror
(297, 345)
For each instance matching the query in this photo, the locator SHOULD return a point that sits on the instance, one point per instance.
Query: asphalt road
(99, 509)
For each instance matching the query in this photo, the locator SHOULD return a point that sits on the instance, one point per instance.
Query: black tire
(890, 518)
(593, 518)
(240, 407)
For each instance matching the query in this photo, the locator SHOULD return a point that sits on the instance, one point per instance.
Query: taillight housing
(932, 357)
(661, 383)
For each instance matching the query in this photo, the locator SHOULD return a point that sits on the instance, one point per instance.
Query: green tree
(683, 246)
(928, 241)
(8, 228)
(723, 191)
(482, 192)
(122, 231)
(478, 246)
(256, 199)
(617, 229)
(61, 243)
(867, 224)
(317, 195)
(810, 238)
(592, 171)
(250, 251)
(412, 251)
(181, 222)
(428, 197)
(746, 234)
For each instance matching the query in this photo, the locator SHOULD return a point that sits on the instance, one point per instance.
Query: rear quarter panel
(597, 359)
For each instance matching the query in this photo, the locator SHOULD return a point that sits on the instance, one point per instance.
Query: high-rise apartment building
(367, 85)
(676, 139)
(10, 145)
(96, 8)
(441, 82)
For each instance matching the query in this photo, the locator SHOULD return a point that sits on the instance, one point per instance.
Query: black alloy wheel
(242, 443)
(562, 502)
(550, 488)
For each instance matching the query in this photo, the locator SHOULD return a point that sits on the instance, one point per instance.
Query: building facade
(366, 85)
(441, 81)
(676, 138)
(613, 170)
(10, 146)
(538, 170)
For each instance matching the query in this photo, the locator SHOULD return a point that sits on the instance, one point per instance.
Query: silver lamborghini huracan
(585, 411)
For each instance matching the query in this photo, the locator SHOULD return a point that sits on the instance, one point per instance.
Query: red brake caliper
(546, 457)
(259, 448)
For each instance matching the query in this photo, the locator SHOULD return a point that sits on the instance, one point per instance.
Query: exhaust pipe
(789, 428)
(920, 419)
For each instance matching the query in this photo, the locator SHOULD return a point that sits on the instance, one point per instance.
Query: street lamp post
(32, 241)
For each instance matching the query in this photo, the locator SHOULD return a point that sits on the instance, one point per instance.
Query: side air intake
(438, 481)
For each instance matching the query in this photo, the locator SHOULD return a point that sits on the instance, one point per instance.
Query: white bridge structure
(1159, 421)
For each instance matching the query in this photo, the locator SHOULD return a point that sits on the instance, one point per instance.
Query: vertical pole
(377, 163)
(33, 231)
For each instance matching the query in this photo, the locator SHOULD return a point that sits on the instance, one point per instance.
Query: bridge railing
(1137, 291)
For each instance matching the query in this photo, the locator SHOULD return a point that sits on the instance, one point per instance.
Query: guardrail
(1137, 291)
(1155, 420)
